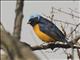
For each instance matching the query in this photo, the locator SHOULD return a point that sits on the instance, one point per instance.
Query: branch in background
(63, 30)
(15, 49)
(57, 20)
(78, 53)
(18, 19)
(64, 22)
(74, 29)
(66, 13)
(76, 39)
(1, 26)
(75, 11)
(7, 43)
(52, 15)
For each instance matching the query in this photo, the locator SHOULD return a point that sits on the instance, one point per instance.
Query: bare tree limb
(16, 50)
(78, 53)
(18, 19)
(52, 46)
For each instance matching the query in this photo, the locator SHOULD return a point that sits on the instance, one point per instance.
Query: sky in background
(40, 7)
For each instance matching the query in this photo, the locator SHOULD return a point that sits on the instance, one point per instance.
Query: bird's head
(34, 20)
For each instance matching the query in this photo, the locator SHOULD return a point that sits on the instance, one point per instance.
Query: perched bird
(46, 30)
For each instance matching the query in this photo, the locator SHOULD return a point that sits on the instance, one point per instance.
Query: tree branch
(18, 19)
(78, 53)
(16, 50)
(52, 46)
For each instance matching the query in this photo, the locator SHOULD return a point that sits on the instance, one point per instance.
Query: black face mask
(33, 21)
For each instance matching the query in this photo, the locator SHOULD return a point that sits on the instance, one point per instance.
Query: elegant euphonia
(46, 30)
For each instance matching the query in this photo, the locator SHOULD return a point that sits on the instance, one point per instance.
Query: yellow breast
(42, 35)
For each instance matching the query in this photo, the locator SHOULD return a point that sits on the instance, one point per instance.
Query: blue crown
(35, 15)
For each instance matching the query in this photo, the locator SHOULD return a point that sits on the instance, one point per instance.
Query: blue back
(51, 29)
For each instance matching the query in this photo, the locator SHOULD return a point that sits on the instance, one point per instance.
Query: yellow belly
(41, 35)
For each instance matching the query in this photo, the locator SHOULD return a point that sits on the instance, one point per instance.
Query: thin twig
(67, 13)
(63, 30)
(58, 20)
(75, 11)
(74, 30)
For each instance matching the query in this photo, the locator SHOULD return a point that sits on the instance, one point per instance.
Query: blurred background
(63, 12)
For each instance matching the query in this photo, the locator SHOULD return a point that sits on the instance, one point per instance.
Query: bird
(46, 30)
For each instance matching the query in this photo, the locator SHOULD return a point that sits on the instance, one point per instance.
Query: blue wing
(51, 29)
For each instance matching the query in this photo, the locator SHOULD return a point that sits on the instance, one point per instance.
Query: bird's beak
(28, 22)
